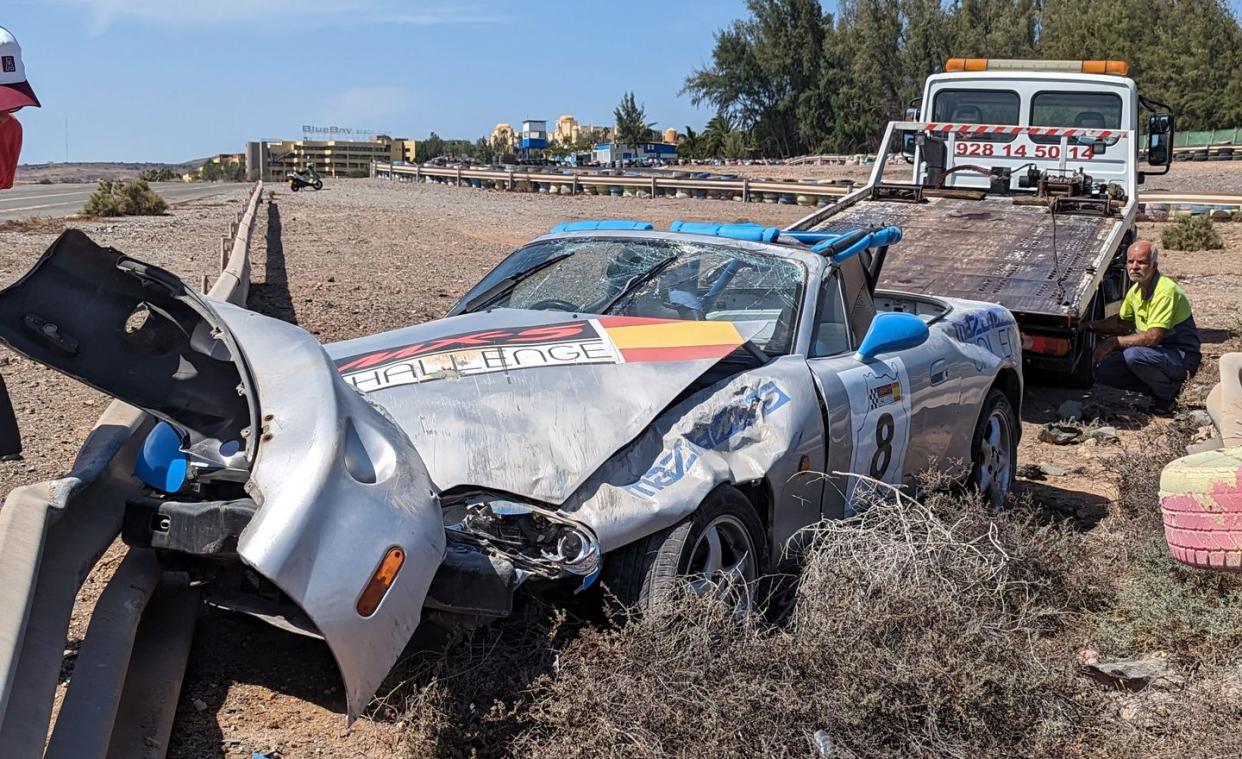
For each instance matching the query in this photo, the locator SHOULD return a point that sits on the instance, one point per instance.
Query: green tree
(690, 144)
(718, 128)
(432, 147)
(633, 129)
(766, 73)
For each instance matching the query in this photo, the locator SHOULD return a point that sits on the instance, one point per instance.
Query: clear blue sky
(171, 80)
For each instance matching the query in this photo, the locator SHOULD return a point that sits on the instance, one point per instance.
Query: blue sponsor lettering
(975, 323)
(727, 423)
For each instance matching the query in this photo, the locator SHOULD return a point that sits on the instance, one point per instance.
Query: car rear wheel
(994, 449)
(718, 550)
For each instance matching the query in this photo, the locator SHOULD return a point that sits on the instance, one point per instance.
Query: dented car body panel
(590, 391)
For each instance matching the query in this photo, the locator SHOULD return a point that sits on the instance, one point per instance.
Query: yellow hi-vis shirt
(1166, 308)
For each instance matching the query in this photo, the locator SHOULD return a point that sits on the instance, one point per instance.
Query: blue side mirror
(892, 332)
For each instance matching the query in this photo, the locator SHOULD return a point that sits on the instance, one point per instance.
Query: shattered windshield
(649, 278)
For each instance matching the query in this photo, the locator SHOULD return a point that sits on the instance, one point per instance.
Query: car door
(872, 409)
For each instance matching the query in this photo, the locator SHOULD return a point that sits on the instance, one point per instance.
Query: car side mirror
(892, 332)
(1159, 139)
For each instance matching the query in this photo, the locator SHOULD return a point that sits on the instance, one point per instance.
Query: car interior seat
(967, 114)
(1089, 120)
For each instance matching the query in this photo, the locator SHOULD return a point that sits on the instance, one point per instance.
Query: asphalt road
(26, 200)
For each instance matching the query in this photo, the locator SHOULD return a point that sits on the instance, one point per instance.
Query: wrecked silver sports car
(609, 401)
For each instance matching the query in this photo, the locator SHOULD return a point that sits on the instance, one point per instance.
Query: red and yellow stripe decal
(641, 339)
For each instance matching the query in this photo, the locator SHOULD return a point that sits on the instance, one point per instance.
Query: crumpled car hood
(530, 402)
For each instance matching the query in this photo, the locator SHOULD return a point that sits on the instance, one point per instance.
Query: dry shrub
(934, 629)
(917, 630)
(1191, 233)
(32, 225)
(121, 198)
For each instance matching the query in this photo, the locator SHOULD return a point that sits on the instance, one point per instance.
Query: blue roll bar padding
(746, 232)
(847, 246)
(591, 225)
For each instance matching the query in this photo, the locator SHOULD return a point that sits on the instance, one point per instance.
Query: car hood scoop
(531, 402)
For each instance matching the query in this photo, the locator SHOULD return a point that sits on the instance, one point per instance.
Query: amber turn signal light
(377, 587)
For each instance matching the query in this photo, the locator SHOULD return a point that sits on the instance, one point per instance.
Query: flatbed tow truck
(1023, 192)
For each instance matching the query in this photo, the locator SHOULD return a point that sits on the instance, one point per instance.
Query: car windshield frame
(537, 257)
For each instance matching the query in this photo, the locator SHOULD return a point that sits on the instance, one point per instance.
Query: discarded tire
(1201, 505)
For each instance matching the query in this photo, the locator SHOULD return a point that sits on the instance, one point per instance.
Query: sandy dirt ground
(364, 256)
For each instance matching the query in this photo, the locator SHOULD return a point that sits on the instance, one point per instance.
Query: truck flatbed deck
(1021, 256)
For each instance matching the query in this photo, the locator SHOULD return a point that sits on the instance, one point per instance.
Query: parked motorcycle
(306, 178)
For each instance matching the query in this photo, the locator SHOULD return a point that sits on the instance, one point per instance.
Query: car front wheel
(717, 550)
(994, 449)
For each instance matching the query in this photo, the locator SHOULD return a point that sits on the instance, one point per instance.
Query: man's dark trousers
(1157, 371)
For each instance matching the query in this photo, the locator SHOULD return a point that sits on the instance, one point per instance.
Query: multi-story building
(504, 138)
(217, 165)
(334, 158)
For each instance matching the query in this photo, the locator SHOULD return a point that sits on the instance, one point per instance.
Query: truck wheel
(994, 449)
(1082, 374)
(719, 549)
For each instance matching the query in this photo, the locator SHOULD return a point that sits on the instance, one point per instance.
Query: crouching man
(1153, 345)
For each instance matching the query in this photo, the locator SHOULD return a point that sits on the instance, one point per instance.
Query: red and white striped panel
(973, 129)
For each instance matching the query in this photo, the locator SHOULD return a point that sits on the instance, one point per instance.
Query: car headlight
(540, 540)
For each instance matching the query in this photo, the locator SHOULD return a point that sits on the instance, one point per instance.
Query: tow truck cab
(1055, 96)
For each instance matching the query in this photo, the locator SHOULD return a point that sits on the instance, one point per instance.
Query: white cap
(15, 92)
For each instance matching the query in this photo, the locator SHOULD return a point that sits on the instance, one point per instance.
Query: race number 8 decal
(883, 455)
(879, 396)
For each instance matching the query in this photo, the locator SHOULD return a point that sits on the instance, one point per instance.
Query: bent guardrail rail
(821, 192)
(51, 536)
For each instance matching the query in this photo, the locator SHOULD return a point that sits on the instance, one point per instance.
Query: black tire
(654, 569)
(1082, 374)
(294, 186)
(992, 472)
(318, 184)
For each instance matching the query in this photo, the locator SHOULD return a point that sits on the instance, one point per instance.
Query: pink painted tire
(1201, 506)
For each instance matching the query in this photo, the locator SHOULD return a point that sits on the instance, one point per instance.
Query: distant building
(607, 152)
(670, 136)
(333, 158)
(220, 163)
(534, 135)
(504, 138)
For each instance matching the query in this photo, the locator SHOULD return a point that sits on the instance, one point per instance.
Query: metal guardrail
(122, 696)
(652, 186)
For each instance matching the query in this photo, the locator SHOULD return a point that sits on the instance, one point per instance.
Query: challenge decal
(727, 423)
(607, 340)
(581, 342)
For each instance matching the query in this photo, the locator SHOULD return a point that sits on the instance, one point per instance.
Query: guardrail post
(574, 191)
(225, 247)
(459, 176)
(512, 181)
(745, 190)
(418, 173)
(653, 187)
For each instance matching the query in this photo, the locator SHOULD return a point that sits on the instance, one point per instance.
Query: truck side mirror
(1159, 139)
(907, 144)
